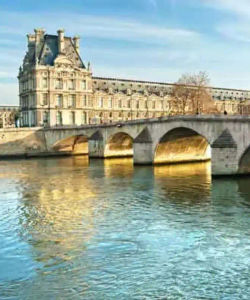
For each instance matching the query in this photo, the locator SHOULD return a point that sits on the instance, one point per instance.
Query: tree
(191, 95)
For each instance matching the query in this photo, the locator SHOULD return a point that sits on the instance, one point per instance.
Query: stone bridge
(225, 140)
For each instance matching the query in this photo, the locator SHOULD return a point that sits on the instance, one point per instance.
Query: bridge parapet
(228, 136)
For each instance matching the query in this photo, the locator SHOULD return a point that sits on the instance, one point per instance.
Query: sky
(155, 40)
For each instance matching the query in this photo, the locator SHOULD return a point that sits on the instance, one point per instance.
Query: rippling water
(73, 229)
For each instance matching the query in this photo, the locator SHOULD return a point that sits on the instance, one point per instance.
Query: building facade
(57, 89)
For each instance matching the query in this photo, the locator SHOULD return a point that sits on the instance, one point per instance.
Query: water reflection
(121, 167)
(55, 208)
(244, 190)
(77, 229)
(186, 184)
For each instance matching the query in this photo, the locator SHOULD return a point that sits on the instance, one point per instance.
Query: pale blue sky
(138, 39)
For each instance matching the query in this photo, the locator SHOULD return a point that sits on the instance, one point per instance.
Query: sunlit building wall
(57, 89)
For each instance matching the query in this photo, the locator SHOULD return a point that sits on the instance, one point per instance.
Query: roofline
(160, 83)
(56, 36)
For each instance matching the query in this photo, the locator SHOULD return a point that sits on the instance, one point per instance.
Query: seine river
(73, 229)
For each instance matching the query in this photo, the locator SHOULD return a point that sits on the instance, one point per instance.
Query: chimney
(76, 40)
(39, 35)
(60, 33)
(31, 41)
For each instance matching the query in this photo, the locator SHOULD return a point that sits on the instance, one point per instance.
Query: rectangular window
(44, 100)
(110, 103)
(45, 117)
(100, 102)
(59, 101)
(84, 85)
(59, 120)
(72, 118)
(84, 101)
(71, 84)
(84, 117)
(153, 104)
(58, 84)
(72, 101)
(44, 83)
(90, 103)
(119, 103)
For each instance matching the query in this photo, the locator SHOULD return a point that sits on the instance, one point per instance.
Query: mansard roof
(154, 87)
(49, 51)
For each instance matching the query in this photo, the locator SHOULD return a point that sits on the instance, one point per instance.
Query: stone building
(8, 116)
(57, 89)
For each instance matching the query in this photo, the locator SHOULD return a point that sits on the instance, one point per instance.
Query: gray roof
(48, 51)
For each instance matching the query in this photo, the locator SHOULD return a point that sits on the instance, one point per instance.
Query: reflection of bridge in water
(222, 139)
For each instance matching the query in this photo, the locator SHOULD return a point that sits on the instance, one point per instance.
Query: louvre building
(57, 89)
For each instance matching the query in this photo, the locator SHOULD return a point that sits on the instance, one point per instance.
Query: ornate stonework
(8, 116)
(56, 89)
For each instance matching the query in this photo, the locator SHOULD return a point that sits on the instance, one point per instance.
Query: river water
(74, 229)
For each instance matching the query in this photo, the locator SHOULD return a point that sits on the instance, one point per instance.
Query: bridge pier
(143, 149)
(224, 155)
(96, 145)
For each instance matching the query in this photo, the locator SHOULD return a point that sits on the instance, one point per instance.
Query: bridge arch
(244, 162)
(73, 145)
(119, 144)
(182, 145)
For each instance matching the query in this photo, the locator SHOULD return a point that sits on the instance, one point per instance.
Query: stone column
(96, 145)
(224, 155)
(143, 149)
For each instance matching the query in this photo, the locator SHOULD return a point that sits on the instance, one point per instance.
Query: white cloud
(237, 7)
(236, 31)
(97, 27)
(15, 26)
(238, 28)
